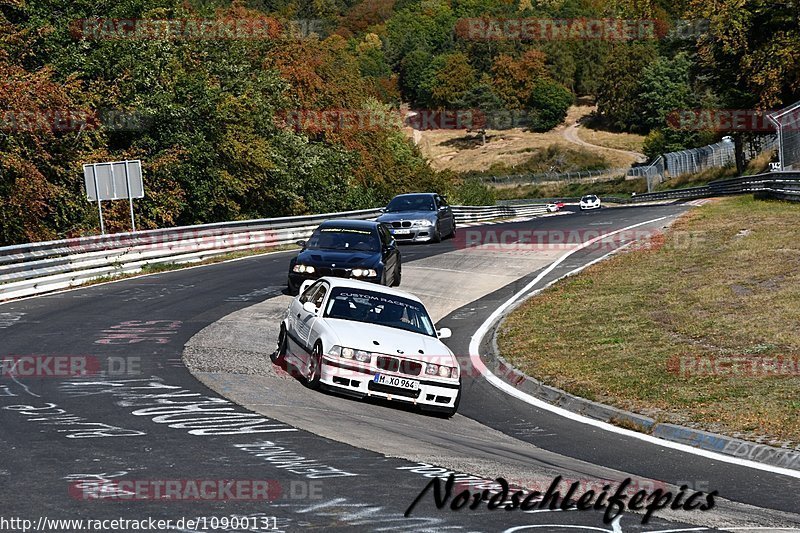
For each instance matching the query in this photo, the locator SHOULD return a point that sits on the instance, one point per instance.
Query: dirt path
(570, 134)
(460, 151)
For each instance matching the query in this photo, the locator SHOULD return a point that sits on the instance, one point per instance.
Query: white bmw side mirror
(310, 307)
(444, 333)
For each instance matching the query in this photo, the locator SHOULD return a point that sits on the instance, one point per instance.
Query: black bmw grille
(336, 272)
(403, 224)
(392, 364)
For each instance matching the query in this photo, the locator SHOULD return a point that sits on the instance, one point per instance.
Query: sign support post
(130, 196)
(97, 195)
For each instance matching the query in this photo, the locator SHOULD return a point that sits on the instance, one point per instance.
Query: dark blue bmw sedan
(356, 249)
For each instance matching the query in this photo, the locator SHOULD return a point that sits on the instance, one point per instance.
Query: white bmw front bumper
(359, 379)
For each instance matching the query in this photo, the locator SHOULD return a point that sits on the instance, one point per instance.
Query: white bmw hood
(390, 341)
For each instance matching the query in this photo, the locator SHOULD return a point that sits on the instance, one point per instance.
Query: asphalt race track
(69, 443)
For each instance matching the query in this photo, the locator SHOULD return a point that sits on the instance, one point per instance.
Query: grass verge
(723, 281)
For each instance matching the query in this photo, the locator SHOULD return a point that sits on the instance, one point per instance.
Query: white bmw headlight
(304, 269)
(441, 371)
(349, 353)
(423, 223)
(364, 273)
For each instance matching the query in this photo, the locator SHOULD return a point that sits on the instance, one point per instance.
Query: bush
(547, 105)
(473, 192)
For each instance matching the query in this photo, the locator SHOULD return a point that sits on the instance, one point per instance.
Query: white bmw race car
(367, 340)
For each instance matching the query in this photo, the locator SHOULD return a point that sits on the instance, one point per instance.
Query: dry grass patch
(618, 141)
(725, 282)
(460, 151)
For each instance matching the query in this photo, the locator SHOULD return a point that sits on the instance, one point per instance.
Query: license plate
(394, 381)
(401, 232)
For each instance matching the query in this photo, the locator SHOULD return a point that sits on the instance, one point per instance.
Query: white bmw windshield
(382, 309)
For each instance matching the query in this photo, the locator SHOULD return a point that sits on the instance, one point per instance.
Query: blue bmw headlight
(304, 269)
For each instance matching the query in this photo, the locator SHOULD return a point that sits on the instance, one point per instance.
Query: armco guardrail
(35, 268)
(781, 185)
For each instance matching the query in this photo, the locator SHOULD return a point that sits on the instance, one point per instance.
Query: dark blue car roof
(350, 224)
(415, 194)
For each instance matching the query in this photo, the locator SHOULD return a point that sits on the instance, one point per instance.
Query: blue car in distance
(356, 249)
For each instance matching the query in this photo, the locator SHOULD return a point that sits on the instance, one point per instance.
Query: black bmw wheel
(283, 341)
(315, 368)
(398, 276)
(437, 235)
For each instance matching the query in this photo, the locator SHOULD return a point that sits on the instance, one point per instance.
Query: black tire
(437, 235)
(283, 341)
(292, 289)
(315, 368)
(398, 276)
(453, 231)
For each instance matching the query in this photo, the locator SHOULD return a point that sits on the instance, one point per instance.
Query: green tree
(665, 87)
(547, 105)
(620, 85)
(448, 78)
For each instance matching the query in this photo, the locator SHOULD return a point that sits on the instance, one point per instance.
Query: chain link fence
(787, 122)
(696, 160)
(530, 179)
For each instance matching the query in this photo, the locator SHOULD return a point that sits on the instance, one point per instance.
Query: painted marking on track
(73, 426)
(263, 293)
(9, 319)
(474, 351)
(177, 407)
(284, 457)
(136, 331)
